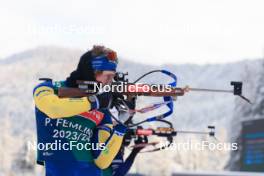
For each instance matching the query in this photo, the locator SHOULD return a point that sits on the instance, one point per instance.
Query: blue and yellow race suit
(69, 134)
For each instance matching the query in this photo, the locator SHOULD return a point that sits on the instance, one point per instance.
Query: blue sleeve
(121, 168)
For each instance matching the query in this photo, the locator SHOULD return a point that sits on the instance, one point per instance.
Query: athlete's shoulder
(47, 83)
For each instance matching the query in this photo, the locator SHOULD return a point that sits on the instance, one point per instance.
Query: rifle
(87, 88)
(133, 89)
(140, 136)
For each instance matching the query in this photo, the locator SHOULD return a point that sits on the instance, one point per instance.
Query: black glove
(131, 102)
(100, 101)
(117, 100)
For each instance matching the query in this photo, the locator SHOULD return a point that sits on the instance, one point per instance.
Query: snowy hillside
(20, 72)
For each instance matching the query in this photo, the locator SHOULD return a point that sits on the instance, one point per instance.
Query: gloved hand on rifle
(124, 106)
(110, 100)
(101, 101)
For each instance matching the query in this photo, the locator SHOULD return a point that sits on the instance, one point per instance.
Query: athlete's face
(105, 77)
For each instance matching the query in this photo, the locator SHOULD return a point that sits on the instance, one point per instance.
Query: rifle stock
(65, 92)
(155, 92)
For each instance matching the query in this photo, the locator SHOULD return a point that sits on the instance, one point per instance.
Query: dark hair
(84, 71)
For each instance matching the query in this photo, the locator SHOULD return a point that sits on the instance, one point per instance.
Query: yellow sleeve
(114, 141)
(55, 107)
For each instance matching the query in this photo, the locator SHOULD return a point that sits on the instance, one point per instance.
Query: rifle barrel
(210, 90)
(192, 132)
